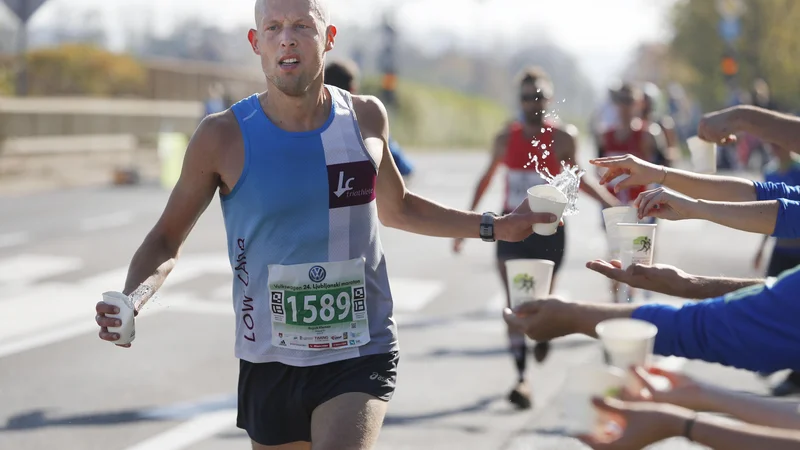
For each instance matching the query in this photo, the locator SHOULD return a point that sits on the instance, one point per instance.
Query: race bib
(319, 306)
(519, 181)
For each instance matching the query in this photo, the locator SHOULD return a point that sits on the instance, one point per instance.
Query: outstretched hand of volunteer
(718, 127)
(660, 278)
(663, 203)
(639, 171)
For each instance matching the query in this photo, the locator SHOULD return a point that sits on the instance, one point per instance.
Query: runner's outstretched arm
(157, 255)
(399, 208)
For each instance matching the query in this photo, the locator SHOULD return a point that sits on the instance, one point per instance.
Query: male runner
(629, 136)
(303, 185)
(344, 75)
(514, 147)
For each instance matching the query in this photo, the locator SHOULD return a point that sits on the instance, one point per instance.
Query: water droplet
(544, 147)
(542, 130)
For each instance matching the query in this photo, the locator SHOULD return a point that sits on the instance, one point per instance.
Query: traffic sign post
(24, 10)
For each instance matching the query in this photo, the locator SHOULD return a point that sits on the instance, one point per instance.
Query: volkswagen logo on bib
(316, 274)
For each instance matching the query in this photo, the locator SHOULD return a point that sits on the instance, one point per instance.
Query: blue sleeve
(773, 191)
(754, 328)
(787, 224)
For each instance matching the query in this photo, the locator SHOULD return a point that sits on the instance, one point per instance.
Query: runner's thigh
(349, 421)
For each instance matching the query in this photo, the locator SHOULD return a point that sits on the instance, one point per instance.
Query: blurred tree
(83, 69)
(766, 48)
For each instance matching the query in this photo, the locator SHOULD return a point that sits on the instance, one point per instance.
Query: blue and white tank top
(309, 275)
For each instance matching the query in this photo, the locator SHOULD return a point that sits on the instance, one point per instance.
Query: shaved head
(320, 8)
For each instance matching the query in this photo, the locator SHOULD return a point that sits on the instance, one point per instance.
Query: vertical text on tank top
(310, 283)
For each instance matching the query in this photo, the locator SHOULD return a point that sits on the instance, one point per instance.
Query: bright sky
(600, 33)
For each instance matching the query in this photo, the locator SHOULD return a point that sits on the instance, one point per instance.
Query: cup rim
(648, 225)
(651, 330)
(549, 188)
(546, 261)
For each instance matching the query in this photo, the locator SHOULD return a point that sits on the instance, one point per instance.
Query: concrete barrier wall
(58, 116)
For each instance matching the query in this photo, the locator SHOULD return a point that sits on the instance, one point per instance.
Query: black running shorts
(276, 400)
(536, 246)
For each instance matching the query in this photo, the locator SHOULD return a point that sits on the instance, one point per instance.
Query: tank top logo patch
(351, 184)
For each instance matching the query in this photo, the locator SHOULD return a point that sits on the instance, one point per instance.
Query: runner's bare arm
(498, 153)
(190, 197)
(567, 149)
(399, 208)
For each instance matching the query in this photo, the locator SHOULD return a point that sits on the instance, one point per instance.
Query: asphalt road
(61, 386)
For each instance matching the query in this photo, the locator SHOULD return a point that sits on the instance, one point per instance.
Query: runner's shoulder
(507, 129)
(218, 131)
(371, 113)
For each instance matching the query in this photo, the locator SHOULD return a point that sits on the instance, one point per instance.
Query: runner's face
(626, 107)
(533, 101)
(291, 40)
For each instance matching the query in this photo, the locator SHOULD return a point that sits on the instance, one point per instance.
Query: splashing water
(568, 181)
(142, 294)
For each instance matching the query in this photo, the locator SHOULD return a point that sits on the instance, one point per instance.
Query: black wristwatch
(487, 227)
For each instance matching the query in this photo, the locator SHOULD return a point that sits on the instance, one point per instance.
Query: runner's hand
(518, 225)
(660, 278)
(641, 424)
(101, 309)
(718, 126)
(663, 203)
(639, 171)
(458, 243)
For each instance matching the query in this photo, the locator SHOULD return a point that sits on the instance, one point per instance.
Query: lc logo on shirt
(351, 184)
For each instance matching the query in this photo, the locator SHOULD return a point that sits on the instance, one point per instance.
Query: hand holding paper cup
(547, 199)
(528, 279)
(627, 343)
(635, 243)
(704, 155)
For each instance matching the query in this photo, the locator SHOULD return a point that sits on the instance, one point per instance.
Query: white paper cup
(583, 383)
(612, 217)
(636, 242)
(528, 279)
(627, 342)
(547, 199)
(704, 155)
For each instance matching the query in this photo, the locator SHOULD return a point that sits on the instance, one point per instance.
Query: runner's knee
(348, 422)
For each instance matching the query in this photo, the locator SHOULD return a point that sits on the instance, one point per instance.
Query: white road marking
(117, 219)
(13, 239)
(33, 316)
(191, 432)
(26, 269)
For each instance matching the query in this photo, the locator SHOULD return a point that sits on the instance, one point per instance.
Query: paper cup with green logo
(612, 217)
(547, 199)
(528, 279)
(583, 383)
(704, 155)
(626, 343)
(635, 242)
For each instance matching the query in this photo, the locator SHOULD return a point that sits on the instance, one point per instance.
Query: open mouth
(289, 62)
